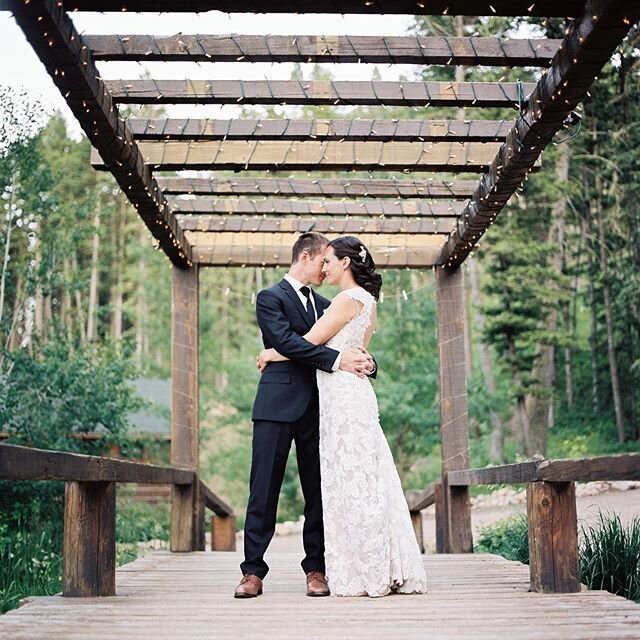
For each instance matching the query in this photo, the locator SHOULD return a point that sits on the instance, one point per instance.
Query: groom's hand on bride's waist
(357, 361)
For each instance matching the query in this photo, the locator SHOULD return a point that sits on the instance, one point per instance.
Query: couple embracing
(315, 390)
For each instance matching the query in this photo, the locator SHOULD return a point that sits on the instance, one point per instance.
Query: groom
(286, 410)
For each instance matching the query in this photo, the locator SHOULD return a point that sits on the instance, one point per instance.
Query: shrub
(507, 537)
(610, 556)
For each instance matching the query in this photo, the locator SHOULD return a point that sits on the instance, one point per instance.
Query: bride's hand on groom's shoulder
(357, 361)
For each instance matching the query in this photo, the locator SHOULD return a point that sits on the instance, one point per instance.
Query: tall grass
(507, 537)
(30, 564)
(610, 555)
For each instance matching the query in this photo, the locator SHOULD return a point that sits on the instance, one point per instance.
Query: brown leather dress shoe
(250, 586)
(317, 584)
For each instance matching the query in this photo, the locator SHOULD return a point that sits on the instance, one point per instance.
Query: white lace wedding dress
(370, 546)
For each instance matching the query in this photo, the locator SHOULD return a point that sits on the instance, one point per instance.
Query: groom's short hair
(312, 242)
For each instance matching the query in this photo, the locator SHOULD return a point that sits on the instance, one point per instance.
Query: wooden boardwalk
(174, 596)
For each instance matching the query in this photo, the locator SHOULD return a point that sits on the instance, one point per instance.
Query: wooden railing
(89, 550)
(551, 509)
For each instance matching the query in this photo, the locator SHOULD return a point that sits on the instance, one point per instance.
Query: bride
(370, 546)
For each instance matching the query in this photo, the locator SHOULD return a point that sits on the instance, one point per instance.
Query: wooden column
(223, 533)
(441, 519)
(89, 539)
(416, 521)
(553, 537)
(186, 509)
(453, 406)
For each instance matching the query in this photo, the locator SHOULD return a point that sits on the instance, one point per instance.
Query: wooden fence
(89, 550)
(551, 509)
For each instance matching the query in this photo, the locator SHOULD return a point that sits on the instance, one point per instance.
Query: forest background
(553, 301)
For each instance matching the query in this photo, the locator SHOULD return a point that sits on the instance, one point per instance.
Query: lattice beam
(321, 156)
(325, 187)
(274, 249)
(348, 130)
(543, 8)
(334, 49)
(69, 63)
(281, 207)
(225, 224)
(317, 92)
(591, 41)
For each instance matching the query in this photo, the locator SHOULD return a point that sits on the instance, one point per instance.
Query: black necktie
(306, 292)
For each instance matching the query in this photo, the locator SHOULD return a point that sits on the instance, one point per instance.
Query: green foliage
(30, 563)
(141, 522)
(610, 556)
(507, 537)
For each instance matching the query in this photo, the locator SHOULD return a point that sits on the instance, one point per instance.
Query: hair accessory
(362, 254)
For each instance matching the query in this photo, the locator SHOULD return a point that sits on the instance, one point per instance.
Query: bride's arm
(339, 312)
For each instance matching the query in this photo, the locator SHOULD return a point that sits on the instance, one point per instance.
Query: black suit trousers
(271, 445)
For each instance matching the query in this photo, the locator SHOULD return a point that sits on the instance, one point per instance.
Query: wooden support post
(553, 537)
(453, 406)
(441, 519)
(89, 539)
(223, 533)
(186, 510)
(416, 521)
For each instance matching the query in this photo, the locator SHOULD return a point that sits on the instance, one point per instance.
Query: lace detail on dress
(370, 546)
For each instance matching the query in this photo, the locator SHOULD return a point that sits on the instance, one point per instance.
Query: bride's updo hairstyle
(362, 265)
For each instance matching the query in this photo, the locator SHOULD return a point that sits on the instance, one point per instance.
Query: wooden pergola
(416, 222)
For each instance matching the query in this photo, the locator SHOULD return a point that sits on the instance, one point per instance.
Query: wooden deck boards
(170, 596)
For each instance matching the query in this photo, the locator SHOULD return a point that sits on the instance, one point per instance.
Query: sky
(19, 65)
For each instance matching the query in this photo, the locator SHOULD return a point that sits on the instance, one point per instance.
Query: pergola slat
(543, 8)
(282, 207)
(325, 187)
(590, 43)
(69, 63)
(327, 156)
(318, 92)
(274, 249)
(349, 130)
(319, 48)
(226, 224)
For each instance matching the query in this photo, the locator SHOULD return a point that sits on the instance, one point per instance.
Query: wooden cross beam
(274, 249)
(226, 224)
(591, 41)
(441, 50)
(316, 92)
(69, 63)
(348, 130)
(543, 8)
(321, 156)
(282, 207)
(325, 187)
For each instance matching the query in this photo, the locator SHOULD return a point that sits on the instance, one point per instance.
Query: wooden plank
(542, 8)
(223, 533)
(274, 250)
(590, 42)
(503, 474)
(213, 502)
(318, 92)
(442, 528)
(283, 207)
(553, 537)
(184, 407)
(450, 308)
(325, 187)
(68, 61)
(625, 466)
(351, 226)
(89, 555)
(235, 47)
(423, 499)
(25, 463)
(331, 129)
(307, 156)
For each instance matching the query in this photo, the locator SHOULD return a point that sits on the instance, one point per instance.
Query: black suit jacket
(286, 388)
